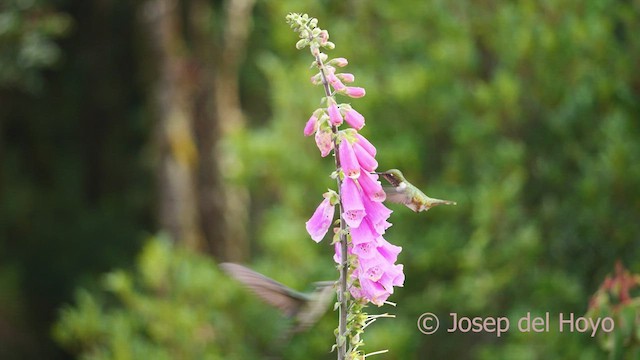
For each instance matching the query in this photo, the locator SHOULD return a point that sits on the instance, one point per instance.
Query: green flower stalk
(366, 261)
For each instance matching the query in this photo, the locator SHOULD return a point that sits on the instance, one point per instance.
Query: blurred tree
(198, 47)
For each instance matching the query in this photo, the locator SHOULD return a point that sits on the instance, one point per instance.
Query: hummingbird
(403, 192)
(304, 308)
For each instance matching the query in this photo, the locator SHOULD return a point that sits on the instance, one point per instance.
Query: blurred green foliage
(176, 304)
(524, 112)
(169, 308)
(28, 30)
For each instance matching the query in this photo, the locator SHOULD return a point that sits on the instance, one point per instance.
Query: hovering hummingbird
(403, 192)
(305, 309)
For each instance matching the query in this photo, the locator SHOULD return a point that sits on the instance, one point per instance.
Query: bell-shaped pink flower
(311, 126)
(366, 145)
(366, 161)
(393, 276)
(366, 250)
(377, 215)
(324, 141)
(363, 233)
(321, 220)
(354, 119)
(348, 160)
(373, 291)
(371, 187)
(352, 203)
(354, 91)
(334, 114)
(387, 250)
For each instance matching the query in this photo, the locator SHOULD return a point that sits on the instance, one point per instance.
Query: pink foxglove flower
(324, 141)
(311, 126)
(352, 203)
(378, 276)
(366, 144)
(355, 92)
(334, 114)
(373, 291)
(348, 159)
(366, 161)
(371, 187)
(321, 220)
(335, 82)
(388, 250)
(377, 215)
(363, 233)
(354, 119)
(365, 250)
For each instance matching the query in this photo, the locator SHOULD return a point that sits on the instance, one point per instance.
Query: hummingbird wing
(287, 300)
(317, 306)
(395, 195)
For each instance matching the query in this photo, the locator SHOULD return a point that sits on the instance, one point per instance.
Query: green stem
(341, 338)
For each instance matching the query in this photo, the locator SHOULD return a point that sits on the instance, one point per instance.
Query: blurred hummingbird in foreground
(403, 192)
(305, 309)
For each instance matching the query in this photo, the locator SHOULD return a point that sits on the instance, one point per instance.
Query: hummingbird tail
(443, 202)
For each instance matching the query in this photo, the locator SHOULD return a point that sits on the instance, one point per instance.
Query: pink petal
(387, 250)
(352, 203)
(341, 62)
(366, 145)
(363, 233)
(311, 126)
(334, 114)
(348, 160)
(371, 187)
(377, 214)
(366, 161)
(373, 291)
(365, 250)
(335, 82)
(354, 119)
(355, 92)
(324, 141)
(321, 220)
(346, 77)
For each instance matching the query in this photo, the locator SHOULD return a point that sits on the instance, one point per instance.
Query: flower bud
(316, 79)
(354, 92)
(340, 62)
(311, 126)
(301, 44)
(324, 37)
(354, 119)
(346, 77)
(334, 114)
